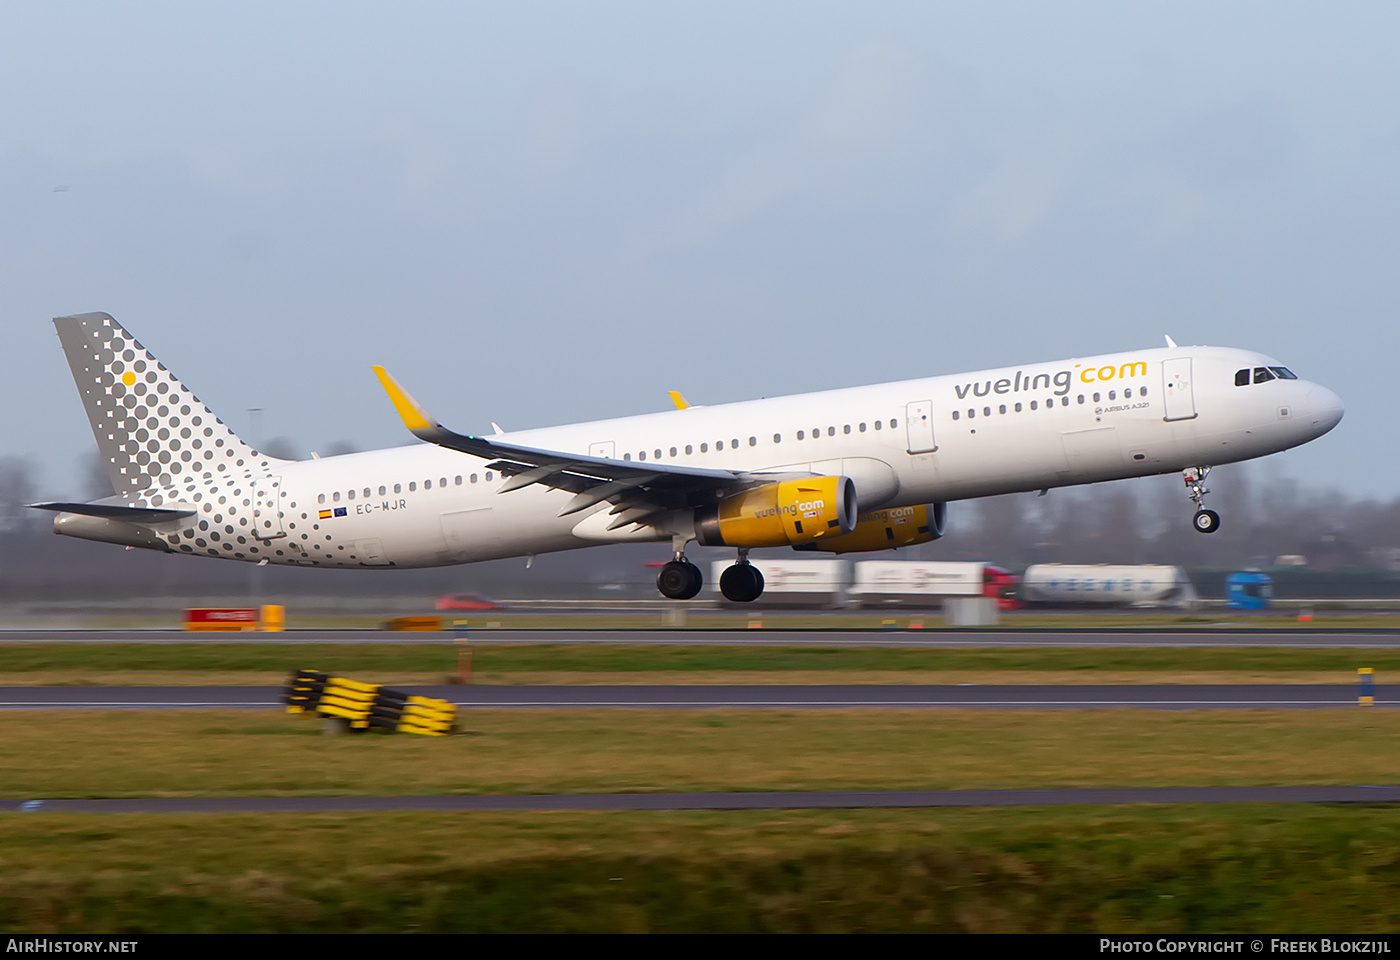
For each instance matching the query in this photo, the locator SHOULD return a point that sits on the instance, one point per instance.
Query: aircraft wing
(636, 489)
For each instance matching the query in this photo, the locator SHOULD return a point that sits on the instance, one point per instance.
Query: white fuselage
(913, 442)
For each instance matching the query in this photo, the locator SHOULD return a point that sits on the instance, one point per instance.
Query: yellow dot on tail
(128, 378)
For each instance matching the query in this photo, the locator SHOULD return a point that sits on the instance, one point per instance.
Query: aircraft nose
(1325, 408)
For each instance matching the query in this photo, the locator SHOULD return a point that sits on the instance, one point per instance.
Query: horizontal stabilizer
(113, 511)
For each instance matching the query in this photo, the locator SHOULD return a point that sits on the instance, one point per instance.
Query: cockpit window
(1263, 375)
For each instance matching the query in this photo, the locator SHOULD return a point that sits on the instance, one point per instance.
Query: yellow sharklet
(413, 415)
(678, 400)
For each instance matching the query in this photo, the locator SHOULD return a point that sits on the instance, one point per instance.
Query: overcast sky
(537, 213)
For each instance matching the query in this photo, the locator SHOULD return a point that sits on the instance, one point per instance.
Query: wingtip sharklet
(409, 410)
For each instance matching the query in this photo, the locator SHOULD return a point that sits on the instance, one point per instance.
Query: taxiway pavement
(852, 800)
(1210, 635)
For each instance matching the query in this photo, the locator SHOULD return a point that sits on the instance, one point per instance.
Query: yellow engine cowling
(888, 529)
(779, 514)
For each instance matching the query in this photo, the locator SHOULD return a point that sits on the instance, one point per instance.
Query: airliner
(848, 470)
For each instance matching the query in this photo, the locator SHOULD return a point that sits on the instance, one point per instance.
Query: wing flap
(601, 492)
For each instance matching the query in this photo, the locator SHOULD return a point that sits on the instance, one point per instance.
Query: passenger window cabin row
(441, 482)
(734, 443)
(1097, 397)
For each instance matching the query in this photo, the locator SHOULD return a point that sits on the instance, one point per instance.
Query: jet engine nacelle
(779, 514)
(887, 529)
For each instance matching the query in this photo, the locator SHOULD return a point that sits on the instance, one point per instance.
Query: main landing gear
(743, 582)
(681, 580)
(1205, 521)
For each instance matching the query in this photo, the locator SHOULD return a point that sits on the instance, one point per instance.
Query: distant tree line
(1266, 520)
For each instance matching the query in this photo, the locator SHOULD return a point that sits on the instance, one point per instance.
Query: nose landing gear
(1205, 521)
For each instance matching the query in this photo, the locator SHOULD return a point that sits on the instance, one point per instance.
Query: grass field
(1146, 869)
(262, 753)
(1187, 869)
(1280, 868)
(104, 664)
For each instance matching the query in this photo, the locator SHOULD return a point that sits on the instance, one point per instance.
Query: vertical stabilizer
(150, 429)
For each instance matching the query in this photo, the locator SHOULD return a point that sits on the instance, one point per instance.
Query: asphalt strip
(724, 801)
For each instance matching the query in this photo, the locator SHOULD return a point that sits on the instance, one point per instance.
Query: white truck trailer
(793, 582)
(1104, 584)
(915, 583)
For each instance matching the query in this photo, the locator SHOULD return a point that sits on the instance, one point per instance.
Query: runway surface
(719, 696)
(1208, 635)
(724, 801)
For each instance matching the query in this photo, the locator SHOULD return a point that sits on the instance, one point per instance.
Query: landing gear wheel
(741, 583)
(679, 580)
(1206, 521)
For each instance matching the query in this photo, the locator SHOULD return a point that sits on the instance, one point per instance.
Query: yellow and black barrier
(367, 706)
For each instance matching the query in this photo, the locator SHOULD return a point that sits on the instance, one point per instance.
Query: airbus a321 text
(857, 469)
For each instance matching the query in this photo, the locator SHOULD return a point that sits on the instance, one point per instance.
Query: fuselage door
(1176, 387)
(918, 417)
(603, 448)
(267, 513)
